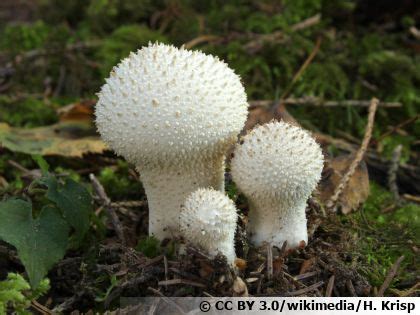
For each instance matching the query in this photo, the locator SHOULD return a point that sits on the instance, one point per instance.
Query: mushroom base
(168, 187)
(227, 249)
(272, 222)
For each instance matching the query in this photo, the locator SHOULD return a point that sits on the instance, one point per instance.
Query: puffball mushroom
(277, 167)
(208, 220)
(173, 113)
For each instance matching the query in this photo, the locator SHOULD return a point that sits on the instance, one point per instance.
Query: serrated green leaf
(40, 242)
(75, 202)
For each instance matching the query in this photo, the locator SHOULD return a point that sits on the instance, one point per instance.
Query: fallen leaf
(240, 263)
(357, 189)
(259, 115)
(80, 111)
(70, 139)
(307, 265)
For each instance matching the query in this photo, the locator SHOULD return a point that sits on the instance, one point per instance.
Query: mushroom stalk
(168, 187)
(272, 221)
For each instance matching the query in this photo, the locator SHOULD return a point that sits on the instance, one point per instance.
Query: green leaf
(40, 242)
(75, 202)
(43, 165)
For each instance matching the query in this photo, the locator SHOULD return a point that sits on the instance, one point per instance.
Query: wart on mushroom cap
(277, 167)
(208, 220)
(173, 113)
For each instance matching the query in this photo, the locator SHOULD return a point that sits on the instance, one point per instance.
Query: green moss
(385, 235)
(121, 42)
(23, 37)
(118, 184)
(28, 112)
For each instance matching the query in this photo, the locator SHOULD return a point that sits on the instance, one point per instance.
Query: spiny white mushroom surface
(277, 166)
(208, 220)
(173, 113)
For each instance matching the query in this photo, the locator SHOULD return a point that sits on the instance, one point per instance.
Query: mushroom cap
(208, 216)
(279, 160)
(164, 103)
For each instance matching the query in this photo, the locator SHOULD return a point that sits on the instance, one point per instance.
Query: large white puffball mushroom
(277, 166)
(208, 220)
(173, 113)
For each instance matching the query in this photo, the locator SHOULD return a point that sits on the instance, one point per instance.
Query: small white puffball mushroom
(208, 220)
(173, 113)
(277, 166)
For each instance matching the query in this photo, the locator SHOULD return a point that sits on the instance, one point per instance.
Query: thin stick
(332, 202)
(257, 43)
(269, 261)
(412, 198)
(399, 126)
(350, 287)
(106, 202)
(392, 172)
(167, 300)
(41, 308)
(305, 290)
(390, 276)
(319, 102)
(202, 39)
(330, 286)
(128, 204)
(181, 281)
(302, 69)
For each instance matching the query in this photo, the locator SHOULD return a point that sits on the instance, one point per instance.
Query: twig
(41, 308)
(399, 126)
(269, 261)
(320, 102)
(390, 276)
(106, 202)
(412, 198)
(305, 290)
(201, 39)
(181, 281)
(165, 264)
(330, 286)
(302, 69)
(168, 301)
(392, 172)
(256, 44)
(305, 275)
(350, 287)
(128, 204)
(332, 202)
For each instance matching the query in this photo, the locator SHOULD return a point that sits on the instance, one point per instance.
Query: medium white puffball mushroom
(173, 113)
(208, 220)
(277, 166)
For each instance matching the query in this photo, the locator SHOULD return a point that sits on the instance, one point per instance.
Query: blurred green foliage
(356, 61)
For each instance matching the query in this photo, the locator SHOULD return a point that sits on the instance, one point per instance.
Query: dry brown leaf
(80, 111)
(307, 265)
(357, 189)
(70, 139)
(240, 263)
